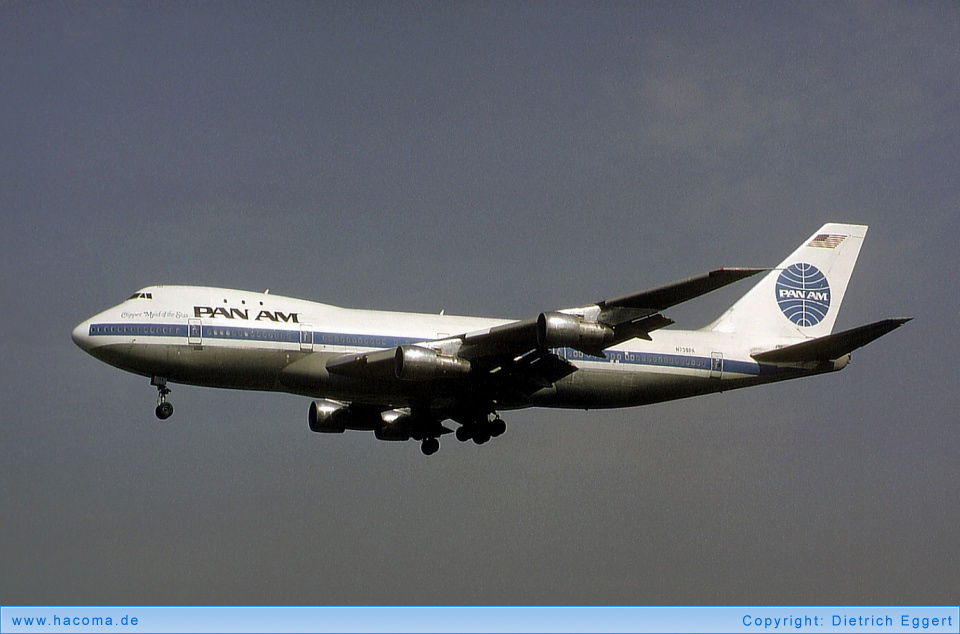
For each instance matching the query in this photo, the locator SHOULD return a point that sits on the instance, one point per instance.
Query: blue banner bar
(148, 620)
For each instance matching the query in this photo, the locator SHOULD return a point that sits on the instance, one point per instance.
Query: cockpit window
(141, 296)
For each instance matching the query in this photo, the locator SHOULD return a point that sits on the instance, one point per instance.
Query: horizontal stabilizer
(832, 346)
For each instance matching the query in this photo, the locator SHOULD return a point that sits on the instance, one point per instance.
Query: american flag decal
(827, 241)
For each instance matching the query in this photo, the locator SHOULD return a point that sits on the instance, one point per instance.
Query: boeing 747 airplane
(403, 375)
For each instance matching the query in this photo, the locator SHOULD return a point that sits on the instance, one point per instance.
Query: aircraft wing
(656, 299)
(516, 357)
(637, 315)
(591, 329)
(830, 347)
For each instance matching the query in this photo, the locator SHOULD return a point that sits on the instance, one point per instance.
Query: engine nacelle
(560, 330)
(416, 363)
(396, 425)
(328, 417)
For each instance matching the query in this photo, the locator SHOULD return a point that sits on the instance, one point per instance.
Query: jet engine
(560, 330)
(395, 425)
(328, 417)
(416, 363)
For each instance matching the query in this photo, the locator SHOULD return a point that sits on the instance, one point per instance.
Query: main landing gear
(430, 446)
(164, 409)
(482, 430)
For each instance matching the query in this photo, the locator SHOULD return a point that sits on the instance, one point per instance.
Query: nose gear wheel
(164, 408)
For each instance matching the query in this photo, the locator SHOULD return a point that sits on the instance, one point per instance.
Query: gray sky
(493, 159)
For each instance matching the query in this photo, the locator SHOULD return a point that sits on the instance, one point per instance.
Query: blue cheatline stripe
(241, 333)
(665, 360)
(143, 330)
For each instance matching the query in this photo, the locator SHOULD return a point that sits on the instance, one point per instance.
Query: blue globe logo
(803, 294)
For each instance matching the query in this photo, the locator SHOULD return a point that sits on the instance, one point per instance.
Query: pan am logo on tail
(803, 294)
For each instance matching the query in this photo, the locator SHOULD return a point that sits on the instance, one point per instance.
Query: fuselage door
(716, 365)
(194, 332)
(306, 337)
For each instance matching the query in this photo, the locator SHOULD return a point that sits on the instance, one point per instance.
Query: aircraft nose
(81, 335)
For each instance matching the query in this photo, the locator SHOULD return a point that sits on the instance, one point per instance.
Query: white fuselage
(257, 341)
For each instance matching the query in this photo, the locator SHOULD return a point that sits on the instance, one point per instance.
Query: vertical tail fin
(801, 297)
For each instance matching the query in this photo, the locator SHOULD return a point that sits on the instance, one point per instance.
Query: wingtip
(737, 272)
(728, 269)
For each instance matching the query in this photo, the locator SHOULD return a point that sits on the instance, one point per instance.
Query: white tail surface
(800, 298)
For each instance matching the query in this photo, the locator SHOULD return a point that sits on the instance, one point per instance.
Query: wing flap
(639, 328)
(831, 347)
(377, 364)
(530, 373)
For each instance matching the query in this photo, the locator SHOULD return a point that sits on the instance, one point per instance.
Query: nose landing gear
(164, 409)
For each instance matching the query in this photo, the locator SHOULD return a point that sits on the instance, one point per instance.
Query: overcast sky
(495, 159)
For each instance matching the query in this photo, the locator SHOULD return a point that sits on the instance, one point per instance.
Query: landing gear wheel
(481, 434)
(164, 409)
(430, 446)
(480, 430)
